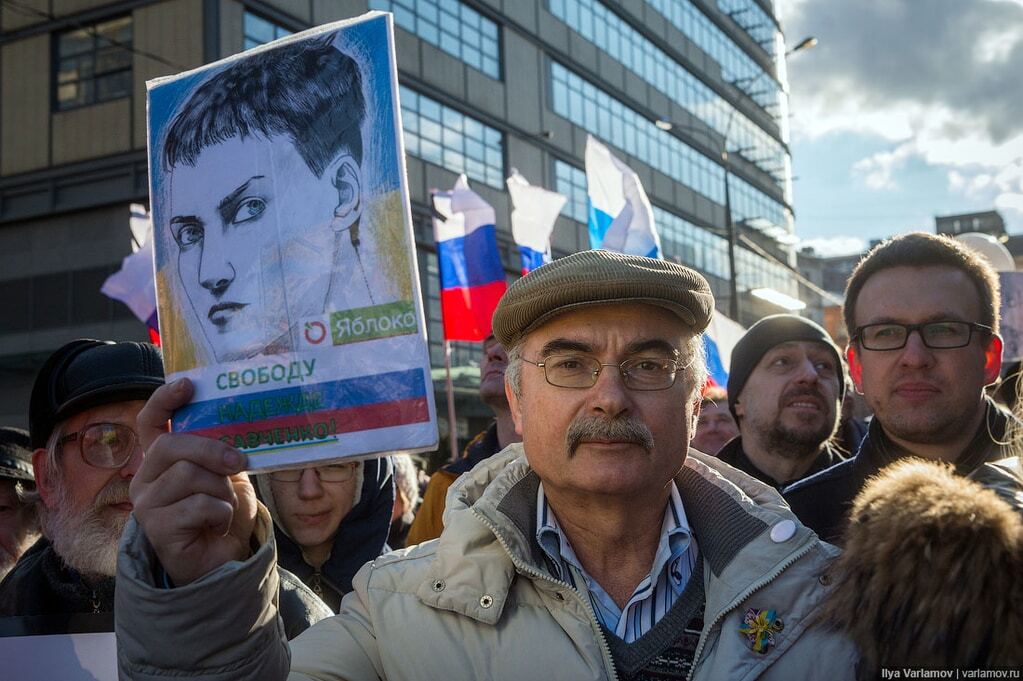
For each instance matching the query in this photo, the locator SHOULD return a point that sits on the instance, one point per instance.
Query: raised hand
(191, 496)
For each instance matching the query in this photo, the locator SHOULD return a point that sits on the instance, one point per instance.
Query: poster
(1012, 315)
(285, 260)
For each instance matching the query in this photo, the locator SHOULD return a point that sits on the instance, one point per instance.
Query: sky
(904, 110)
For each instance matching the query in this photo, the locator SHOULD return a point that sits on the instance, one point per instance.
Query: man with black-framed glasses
(83, 420)
(923, 315)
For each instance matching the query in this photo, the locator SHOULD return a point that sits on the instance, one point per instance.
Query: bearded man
(83, 431)
(785, 390)
(85, 452)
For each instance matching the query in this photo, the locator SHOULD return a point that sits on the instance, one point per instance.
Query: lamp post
(668, 126)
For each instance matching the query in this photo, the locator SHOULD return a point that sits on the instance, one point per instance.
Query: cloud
(939, 79)
(831, 246)
(886, 65)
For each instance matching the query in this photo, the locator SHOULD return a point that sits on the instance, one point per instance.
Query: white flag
(534, 212)
(621, 218)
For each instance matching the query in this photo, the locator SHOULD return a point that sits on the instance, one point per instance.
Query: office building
(486, 86)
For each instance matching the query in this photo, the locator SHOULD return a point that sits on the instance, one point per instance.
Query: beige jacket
(479, 604)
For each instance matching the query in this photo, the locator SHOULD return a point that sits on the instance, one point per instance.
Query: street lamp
(668, 126)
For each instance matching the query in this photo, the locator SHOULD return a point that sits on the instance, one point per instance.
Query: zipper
(316, 583)
(756, 586)
(536, 574)
(95, 603)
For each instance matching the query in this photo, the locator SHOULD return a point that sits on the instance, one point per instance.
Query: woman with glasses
(329, 520)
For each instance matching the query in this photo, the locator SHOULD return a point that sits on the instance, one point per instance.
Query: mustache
(116, 492)
(619, 430)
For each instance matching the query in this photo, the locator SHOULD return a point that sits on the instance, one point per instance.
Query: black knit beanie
(764, 335)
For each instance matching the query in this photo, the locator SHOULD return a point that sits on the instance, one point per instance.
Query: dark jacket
(822, 501)
(361, 536)
(41, 584)
(429, 521)
(734, 455)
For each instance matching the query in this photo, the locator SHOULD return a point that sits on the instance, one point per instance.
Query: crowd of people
(619, 518)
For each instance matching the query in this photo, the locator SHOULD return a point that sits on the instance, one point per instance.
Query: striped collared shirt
(673, 564)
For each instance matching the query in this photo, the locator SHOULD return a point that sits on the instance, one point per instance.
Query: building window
(455, 28)
(259, 31)
(451, 140)
(736, 65)
(606, 30)
(93, 64)
(599, 113)
(571, 182)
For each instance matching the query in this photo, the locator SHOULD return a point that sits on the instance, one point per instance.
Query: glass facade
(611, 34)
(93, 64)
(686, 242)
(452, 140)
(752, 18)
(258, 31)
(736, 65)
(587, 106)
(455, 28)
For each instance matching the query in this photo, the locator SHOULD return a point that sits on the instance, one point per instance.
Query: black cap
(89, 373)
(15, 455)
(764, 335)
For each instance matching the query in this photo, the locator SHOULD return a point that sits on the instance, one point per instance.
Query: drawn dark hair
(308, 90)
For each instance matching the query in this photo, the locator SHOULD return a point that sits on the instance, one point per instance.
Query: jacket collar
(490, 532)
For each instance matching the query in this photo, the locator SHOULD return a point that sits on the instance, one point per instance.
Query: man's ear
(513, 406)
(346, 176)
(855, 368)
(993, 359)
(43, 476)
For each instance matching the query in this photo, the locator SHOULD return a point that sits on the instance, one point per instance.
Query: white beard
(87, 541)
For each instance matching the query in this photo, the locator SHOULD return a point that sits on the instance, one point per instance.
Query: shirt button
(783, 531)
(438, 585)
(486, 600)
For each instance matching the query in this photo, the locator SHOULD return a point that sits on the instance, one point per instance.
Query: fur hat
(930, 574)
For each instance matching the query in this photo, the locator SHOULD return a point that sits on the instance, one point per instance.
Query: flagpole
(452, 429)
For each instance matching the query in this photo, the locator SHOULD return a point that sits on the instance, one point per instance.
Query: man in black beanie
(785, 388)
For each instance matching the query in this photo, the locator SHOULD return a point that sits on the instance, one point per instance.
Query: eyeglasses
(341, 472)
(638, 373)
(935, 335)
(104, 445)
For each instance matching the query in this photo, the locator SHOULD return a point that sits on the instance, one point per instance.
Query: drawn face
(256, 250)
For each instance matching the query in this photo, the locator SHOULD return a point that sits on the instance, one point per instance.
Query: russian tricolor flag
(621, 218)
(135, 284)
(472, 278)
(534, 212)
(718, 341)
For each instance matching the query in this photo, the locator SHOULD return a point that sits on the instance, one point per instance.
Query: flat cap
(601, 278)
(88, 373)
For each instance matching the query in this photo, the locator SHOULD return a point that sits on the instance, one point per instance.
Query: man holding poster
(601, 547)
(285, 262)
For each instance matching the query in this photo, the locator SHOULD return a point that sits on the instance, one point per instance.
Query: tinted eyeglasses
(103, 445)
(342, 472)
(943, 335)
(581, 371)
